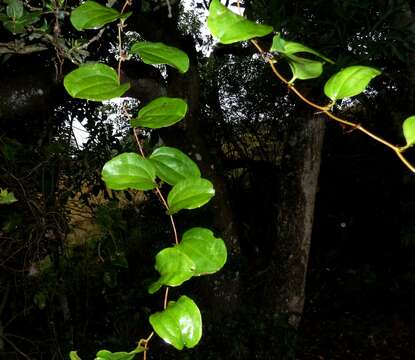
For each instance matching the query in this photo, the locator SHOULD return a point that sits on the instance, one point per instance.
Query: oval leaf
(161, 112)
(304, 69)
(108, 355)
(206, 251)
(94, 81)
(172, 165)
(409, 130)
(190, 194)
(129, 171)
(91, 15)
(290, 47)
(229, 27)
(14, 9)
(174, 267)
(349, 82)
(159, 53)
(180, 324)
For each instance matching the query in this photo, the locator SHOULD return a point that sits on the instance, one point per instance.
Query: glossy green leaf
(172, 165)
(229, 27)
(206, 251)
(408, 127)
(158, 53)
(161, 112)
(91, 15)
(6, 197)
(180, 324)
(174, 267)
(14, 9)
(129, 171)
(349, 82)
(121, 355)
(290, 47)
(190, 194)
(304, 69)
(199, 253)
(94, 81)
(74, 356)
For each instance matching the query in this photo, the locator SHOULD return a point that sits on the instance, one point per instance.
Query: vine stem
(326, 110)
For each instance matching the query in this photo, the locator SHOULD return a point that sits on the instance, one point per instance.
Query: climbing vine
(197, 251)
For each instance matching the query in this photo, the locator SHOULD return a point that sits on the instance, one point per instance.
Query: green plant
(199, 252)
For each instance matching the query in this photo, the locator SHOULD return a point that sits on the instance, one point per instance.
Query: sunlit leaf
(180, 324)
(91, 15)
(161, 112)
(172, 165)
(6, 197)
(229, 27)
(94, 81)
(350, 81)
(159, 53)
(129, 171)
(290, 48)
(408, 127)
(190, 194)
(121, 355)
(174, 267)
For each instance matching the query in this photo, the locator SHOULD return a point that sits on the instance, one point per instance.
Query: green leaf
(290, 47)
(94, 81)
(189, 194)
(304, 69)
(74, 356)
(91, 15)
(6, 197)
(108, 355)
(161, 112)
(206, 251)
(408, 127)
(199, 253)
(349, 82)
(229, 27)
(14, 9)
(129, 171)
(174, 267)
(172, 165)
(180, 324)
(159, 53)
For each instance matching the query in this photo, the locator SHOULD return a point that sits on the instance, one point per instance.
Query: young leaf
(409, 130)
(161, 112)
(180, 324)
(91, 15)
(159, 53)
(94, 81)
(189, 194)
(229, 27)
(6, 198)
(129, 170)
(108, 355)
(174, 267)
(290, 47)
(172, 165)
(74, 356)
(349, 82)
(206, 251)
(304, 69)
